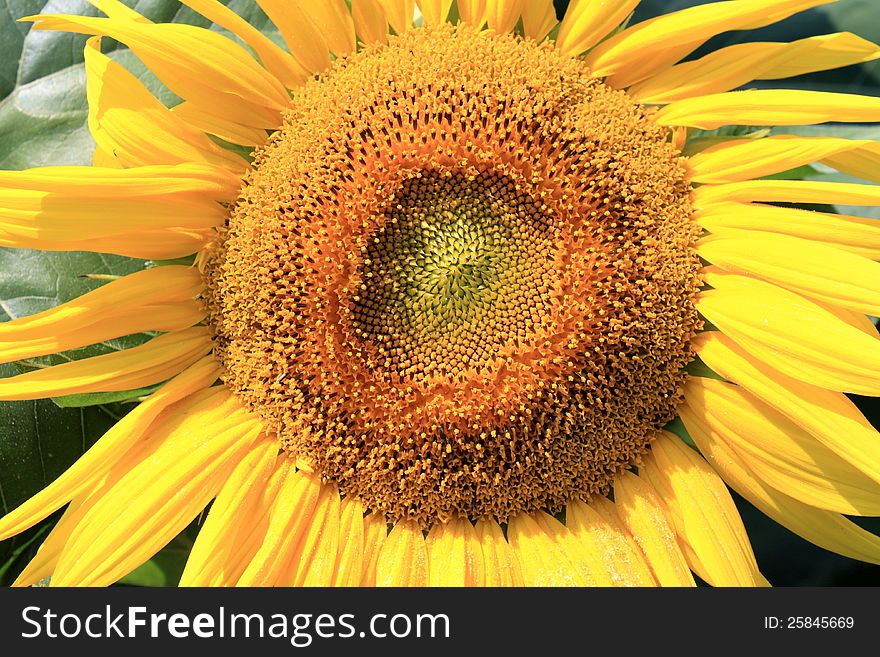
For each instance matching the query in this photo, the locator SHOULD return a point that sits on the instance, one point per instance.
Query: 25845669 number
(820, 622)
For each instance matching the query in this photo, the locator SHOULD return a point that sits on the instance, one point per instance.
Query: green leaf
(102, 398)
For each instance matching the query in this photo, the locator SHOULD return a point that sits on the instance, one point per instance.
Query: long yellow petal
(793, 334)
(153, 502)
(147, 245)
(157, 360)
(744, 159)
(249, 531)
(731, 67)
(200, 66)
(369, 21)
(434, 11)
(502, 15)
(303, 38)
(586, 22)
(87, 202)
(826, 529)
(289, 521)
(828, 416)
(216, 539)
(643, 49)
(349, 566)
(857, 235)
(778, 451)
(788, 191)
(455, 557)
(539, 17)
(472, 12)
(129, 123)
(314, 562)
(812, 269)
(702, 512)
(403, 558)
(276, 60)
(375, 533)
(542, 557)
(769, 107)
(150, 287)
(144, 318)
(621, 559)
(643, 514)
(500, 565)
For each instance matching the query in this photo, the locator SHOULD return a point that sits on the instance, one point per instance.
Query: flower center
(458, 270)
(459, 279)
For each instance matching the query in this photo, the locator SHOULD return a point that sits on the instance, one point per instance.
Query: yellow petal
(500, 565)
(369, 21)
(220, 126)
(399, 13)
(403, 558)
(769, 107)
(539, 549)
(731, 67)
(144, 318)
(148, 245)
(788, 191)
(200, 66)
(81, 203)
(812, 269)
(332, 19)
(315, 561)
(154, 501)
(854, 234)
(702, 512)
(744, 159)
(289, 521)
(375, 533)
(150, 287)
(155, 361)
(586, 22)
(826, 529)
(828, 416)
(206, 564)
(624, 562)
(303, 38)
(131, 125)
(44, 561)
(778, 451)
(650, 46)
(793, 334)
(276, 60)
(472, 12)
(539, 17)
(350, 557)
(101, 456)
(249, 528)
(455, 557)
(644, 516)
(434, 11)
(502, 15)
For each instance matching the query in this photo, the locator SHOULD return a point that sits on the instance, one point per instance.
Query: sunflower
(451, 282)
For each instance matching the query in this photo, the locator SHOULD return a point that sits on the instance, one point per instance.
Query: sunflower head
(459, 280)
